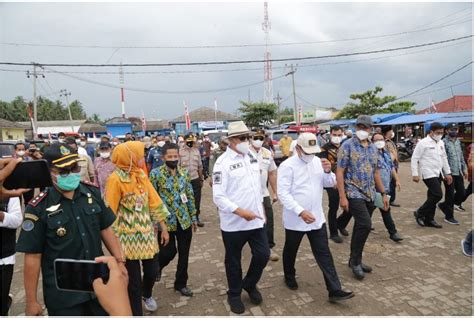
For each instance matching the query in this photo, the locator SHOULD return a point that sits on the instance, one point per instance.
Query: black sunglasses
(63, 172)
(243, 138)
(258, 138)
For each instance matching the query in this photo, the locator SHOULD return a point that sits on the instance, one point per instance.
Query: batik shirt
(177, 194)
(360, 164)
(387, 166)
(455, 156)
(103, 169)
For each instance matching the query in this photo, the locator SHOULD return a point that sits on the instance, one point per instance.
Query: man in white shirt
(236, 189)
(268, 173)
(301, 180)
(10, 219)
(430, 154)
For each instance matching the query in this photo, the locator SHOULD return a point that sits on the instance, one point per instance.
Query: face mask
(161, 143)
(336, 140)
(362, 134)
(82, 143)
(114, 143)
(190, 144)
(257, 143)
(61, 141)
(105, 155)
(167, 142)
(181, 143)
(379, 144)
(243, 147)
(453, 134)
(69, 182)
(21, 153)
(436, 137)
(307, 158)
(172, 164)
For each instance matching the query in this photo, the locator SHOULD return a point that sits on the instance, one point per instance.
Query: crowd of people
(140, 198)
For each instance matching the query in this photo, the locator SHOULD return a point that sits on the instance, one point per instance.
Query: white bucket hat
(237, 128)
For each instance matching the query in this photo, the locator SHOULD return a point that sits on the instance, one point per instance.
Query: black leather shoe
(340, 295)
(433, 224)
(358, 271)
(365, 268)
(396, 237)
(200, 224)
(291, 283)
(395, 204)
(236, 305)
(336, 238)
(418, 219)
(185, 291)
(344, 232)
(255, 296)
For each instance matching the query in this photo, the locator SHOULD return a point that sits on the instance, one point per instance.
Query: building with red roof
(458, 103)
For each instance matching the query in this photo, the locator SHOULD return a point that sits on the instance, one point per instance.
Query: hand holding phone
(79, 275)
(29, 175)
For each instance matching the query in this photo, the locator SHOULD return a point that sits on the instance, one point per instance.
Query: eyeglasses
(243, 138)
(63, 172)
(258, 138)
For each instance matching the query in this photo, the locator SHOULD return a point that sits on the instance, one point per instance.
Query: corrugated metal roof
(459, 117)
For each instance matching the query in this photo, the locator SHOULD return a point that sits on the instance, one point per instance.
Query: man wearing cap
(86, 165)
(391, 147)
(455, 192)
(103, 165)
(268, 172)
(67, 220)
(358, 178)
(430, 154)
(216, 153)
(237, 192)
(190, 159)
(301, 180)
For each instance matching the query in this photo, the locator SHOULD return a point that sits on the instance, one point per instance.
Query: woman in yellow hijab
(138, 207)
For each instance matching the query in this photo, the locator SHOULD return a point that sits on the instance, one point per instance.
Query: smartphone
(29, 174)
(78, 275)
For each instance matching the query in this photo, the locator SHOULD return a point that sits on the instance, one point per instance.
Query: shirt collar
(233, 153)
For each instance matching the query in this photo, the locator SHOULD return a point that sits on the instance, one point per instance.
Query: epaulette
(35, 201)
(89, 183)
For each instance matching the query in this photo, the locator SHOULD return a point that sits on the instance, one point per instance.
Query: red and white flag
(187, 119)
(433, 106)
(143, 123)
(93, 135)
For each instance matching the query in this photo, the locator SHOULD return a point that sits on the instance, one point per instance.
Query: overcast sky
(193, 24)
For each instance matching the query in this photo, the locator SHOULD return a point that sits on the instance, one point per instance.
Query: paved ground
(426, 274)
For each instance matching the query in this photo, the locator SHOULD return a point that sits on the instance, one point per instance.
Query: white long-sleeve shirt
(11, 220)
(300, 187)
(431, 156)
(236, 184)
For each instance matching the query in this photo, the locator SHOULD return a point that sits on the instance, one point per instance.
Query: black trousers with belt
(233, 243)
(434, 195)
(138, 288)
(197, 187)
(6, 274)
(318, 239)
(267, 204)
(361, 210)
(180, 243)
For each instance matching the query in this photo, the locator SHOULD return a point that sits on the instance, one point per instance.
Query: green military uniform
(213, 158)
(57, 227)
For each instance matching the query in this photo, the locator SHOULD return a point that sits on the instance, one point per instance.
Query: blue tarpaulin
(377, 119)
(413, 119)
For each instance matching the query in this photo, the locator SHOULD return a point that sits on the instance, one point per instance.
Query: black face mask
(172, 164)
(167, 142)
(190, 144)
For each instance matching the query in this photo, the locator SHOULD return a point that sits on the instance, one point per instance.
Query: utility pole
(35, 75)
(292, 73)
(249, 96)
(65, 93)
(278, 100)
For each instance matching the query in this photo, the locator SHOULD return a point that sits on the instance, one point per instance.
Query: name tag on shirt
(236, 166)
(139, 204)
(184, 198)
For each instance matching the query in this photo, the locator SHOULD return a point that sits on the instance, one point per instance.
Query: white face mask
(161, 143)
(105, 155)
(336, 140)
(82, 143)
(362, 134)
(257, 143)
(307, 158)
(379, 144)
(21, 153)
(436, 137)
(61, 140)
(243, 147)
(114, 143)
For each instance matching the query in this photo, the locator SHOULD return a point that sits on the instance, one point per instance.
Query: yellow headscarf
(129, 156)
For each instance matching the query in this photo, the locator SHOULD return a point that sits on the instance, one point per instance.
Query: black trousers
(455, 192)
(233, 243)
(196, 184)
(334, 221)
(138, 288)
(434, 195)
(361, 210)
(180, 243)
(205, 167)
(6, 274)
(393, 190)
(468, 192)
(387, 220)
(267, 204)
(89, 308)
(318, 239)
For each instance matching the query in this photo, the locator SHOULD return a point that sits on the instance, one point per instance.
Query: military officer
(67, 220)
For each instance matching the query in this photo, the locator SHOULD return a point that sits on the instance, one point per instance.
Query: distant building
(458, 103)
(118, 126)
(10, 130)
(53, 127)
(89, 129)
(202, 119)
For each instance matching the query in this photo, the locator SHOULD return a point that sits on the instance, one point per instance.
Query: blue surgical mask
(69, 182)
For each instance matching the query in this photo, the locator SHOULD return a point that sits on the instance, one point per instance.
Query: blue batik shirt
(360, 164)
(386, 169)
(455, 156)
(154, 157)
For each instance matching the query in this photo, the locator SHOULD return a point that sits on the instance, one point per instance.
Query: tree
(257, 114)
(95, 118)
(286, 115)
(77, 110)
(369, 104)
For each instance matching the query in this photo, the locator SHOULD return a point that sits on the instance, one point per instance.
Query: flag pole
(215, 112)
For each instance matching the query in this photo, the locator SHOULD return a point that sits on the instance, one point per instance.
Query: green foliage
(368, 103)
(257, 114)
(95, 118)
(17, 110)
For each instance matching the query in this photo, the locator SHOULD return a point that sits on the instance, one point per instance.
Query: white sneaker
(150, 304)
(459, 208)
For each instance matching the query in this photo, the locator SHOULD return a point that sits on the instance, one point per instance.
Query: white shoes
(150, 304)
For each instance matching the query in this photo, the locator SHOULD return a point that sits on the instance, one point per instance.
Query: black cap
(365, 121)
(70, 140)
(436, 125)
(60, 155)
(386, 129)
(451, 126)
(104, 145)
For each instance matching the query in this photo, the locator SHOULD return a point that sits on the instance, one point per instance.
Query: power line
(437, 81)
(234, 45)
(442, 88)
(241, 61)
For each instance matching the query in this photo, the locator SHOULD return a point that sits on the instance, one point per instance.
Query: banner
(211, 125)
